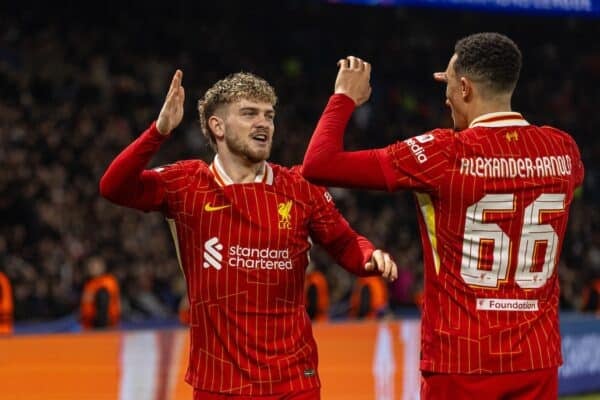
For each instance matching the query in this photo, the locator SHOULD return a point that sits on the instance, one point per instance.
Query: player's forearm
(327, 141)
(352, 252)
(326, 162)
(125, 182)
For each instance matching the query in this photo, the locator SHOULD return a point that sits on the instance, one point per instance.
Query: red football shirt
(244, 250)
(493, 202)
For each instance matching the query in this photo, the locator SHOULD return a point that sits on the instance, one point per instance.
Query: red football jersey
(243, 249)
(493, 204)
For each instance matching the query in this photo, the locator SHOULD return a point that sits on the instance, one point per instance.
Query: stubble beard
(243, 150)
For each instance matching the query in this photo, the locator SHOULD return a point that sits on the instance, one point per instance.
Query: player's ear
(217, 126)
(466, 88)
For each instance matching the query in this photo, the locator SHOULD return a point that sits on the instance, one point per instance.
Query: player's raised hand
(353, 79)
(382, 262)
(440, 77)
(171, 113)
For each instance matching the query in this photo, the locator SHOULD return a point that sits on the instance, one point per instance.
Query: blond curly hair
(234, 87)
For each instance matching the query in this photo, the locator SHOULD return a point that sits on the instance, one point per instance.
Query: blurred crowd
(77, 85)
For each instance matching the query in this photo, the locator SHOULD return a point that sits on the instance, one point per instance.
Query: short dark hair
(489, 58)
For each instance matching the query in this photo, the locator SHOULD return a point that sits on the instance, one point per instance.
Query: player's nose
(262, 121)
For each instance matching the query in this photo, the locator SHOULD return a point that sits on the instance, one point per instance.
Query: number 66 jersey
(493, 205)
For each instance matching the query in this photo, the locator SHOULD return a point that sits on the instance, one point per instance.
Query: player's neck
(240, 170)
(486, 107)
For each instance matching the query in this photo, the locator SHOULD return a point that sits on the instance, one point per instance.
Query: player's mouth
(260, 137)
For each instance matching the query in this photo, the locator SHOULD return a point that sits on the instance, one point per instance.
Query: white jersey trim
(499, 119)
(221, 177)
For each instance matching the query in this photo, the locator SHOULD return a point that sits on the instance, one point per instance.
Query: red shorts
(541, 384)
(310, 394)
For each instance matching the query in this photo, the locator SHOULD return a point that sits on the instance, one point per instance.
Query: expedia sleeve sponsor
(420, 163)
(414, 144)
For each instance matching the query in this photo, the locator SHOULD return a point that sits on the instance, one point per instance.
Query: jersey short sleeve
(419, 162)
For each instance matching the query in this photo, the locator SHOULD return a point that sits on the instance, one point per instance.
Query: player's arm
(579, 170)
(126, 182)
(325, 161)
(419, 163)
(352, 251)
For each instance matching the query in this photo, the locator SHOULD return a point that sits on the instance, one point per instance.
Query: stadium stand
(369, 298)
(317, 296)
(77, 85)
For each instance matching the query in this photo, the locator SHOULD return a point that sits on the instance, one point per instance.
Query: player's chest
(245, 208)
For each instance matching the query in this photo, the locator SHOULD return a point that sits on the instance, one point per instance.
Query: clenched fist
(353, 79)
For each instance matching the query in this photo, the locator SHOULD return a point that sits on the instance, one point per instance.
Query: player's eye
(248, 112)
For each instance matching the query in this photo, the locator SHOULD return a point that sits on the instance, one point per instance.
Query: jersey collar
(498, 119)
(222, 179)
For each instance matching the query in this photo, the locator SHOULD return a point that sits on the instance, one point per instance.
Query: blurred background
(79, 81)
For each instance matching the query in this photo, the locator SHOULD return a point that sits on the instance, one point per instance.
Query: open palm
(171, 113)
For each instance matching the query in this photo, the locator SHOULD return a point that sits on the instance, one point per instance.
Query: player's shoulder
(561, 136)
(439, 137)
(441, 133)
(559, 133)
(184, 168)
(552, 130)
(434, 143)
(288, 175)
(291, 178)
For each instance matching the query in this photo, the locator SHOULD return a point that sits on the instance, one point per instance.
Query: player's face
(249, 127)
(454, 98)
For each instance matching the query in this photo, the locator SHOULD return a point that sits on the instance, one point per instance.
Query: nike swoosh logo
(209, 208)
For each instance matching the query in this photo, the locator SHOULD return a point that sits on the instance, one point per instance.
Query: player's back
(493, 230)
